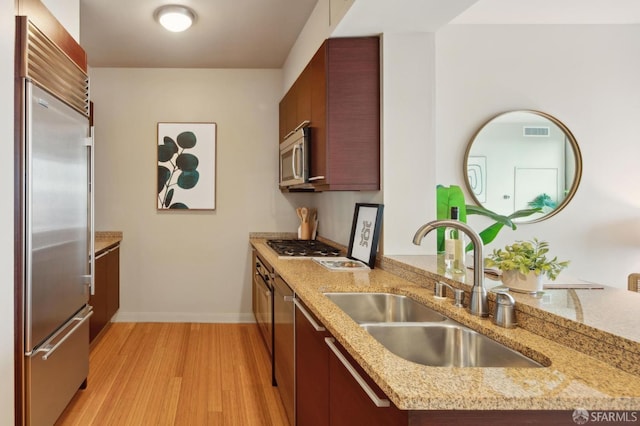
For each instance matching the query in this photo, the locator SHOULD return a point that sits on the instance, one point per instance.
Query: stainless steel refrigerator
(57, 244)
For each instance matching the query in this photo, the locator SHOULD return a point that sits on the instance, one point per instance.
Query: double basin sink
(424, 336)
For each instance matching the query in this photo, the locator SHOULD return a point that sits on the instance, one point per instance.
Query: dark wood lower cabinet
(106, 297)
(348, 401)
(312, 372)
(328, 394)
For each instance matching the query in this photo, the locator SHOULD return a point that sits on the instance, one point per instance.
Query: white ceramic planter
(517, 281)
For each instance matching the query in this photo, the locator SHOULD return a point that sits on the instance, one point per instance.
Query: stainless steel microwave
(294, 157)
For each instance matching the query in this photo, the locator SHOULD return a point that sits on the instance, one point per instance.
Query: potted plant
(524, 263)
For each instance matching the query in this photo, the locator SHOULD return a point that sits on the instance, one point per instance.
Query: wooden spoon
(305, 214)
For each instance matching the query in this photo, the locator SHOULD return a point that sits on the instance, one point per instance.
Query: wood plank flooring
(178, 374)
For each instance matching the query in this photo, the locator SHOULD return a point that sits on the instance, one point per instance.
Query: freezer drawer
(54, 376)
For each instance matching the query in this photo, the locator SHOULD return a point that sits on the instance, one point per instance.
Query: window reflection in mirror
(521, 160)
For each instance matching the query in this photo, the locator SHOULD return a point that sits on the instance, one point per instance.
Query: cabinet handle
(92, 213)
(106, 252)
(379, 402)
(287, 298)
(308, 316)
(294, 161)
(301, 125)
(48, 348)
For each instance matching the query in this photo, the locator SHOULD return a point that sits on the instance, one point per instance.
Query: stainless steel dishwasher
(283, 345)
(262, 303)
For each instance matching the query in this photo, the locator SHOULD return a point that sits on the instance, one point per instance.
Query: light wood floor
(178, 374)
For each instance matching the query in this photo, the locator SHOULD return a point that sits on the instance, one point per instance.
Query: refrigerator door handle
(92, 216)
(28, 223)
(49, 348)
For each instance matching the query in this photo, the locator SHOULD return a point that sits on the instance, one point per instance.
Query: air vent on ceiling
(536, 131)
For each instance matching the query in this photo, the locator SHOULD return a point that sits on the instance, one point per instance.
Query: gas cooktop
(302, 248)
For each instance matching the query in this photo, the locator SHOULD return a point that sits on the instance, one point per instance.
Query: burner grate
(303, 248)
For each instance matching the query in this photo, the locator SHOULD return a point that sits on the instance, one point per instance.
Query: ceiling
(551, 12)
(226, 34)
(260, 33)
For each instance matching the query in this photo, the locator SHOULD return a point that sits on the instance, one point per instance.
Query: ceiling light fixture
(175, 18)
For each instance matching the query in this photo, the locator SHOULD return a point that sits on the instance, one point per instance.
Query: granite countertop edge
(106, 239)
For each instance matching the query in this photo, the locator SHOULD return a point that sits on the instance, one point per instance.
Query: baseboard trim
(183, 317)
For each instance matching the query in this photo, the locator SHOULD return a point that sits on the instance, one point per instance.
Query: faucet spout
(478, 301)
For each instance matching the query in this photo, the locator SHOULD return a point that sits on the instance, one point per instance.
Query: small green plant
(526, 256)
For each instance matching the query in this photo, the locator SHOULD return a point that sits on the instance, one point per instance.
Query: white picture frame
(186, 166)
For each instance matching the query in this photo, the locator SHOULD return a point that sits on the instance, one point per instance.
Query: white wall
(7, 36)
(191, 266)
(408, 129)
(315, 31)
(586, 76)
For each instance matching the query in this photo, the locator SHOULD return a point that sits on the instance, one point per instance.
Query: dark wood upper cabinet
(303, 97)
(339, 92)
(295, 107)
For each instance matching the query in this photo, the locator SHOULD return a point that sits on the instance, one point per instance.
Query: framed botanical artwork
(365, 232)
(186, 166)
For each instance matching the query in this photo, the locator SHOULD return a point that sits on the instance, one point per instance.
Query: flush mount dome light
(175, 18)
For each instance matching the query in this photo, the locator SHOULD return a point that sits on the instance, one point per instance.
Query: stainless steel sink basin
(446, 345)
(383, 307)
(422, 335)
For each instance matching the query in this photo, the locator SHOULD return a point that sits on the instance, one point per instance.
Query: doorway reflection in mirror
(522, 160)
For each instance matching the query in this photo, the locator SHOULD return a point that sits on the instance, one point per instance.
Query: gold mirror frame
(569, 138)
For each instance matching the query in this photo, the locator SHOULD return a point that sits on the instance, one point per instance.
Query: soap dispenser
(505, 310)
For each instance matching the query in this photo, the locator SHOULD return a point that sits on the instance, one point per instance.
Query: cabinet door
(113, 282)
(348, 400)
(318, 83)
(339, 91)
(99, 299)
(303, 96)
(283, 345)
(312, 371)
(353, 113)
(291, 112)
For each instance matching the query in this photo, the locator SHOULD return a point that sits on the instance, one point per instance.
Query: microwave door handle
(294, 162)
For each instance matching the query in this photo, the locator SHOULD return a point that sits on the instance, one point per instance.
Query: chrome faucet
(478, 301)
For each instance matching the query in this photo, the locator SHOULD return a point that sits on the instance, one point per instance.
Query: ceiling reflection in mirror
(523, 160)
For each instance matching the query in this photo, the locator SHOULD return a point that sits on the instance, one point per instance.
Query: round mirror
(523, 160)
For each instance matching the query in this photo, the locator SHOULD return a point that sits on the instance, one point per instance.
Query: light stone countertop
(572, 379)
(609, 310)
(106, 239)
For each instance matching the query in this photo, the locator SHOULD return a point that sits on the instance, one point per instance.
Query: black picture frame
(365, 233)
